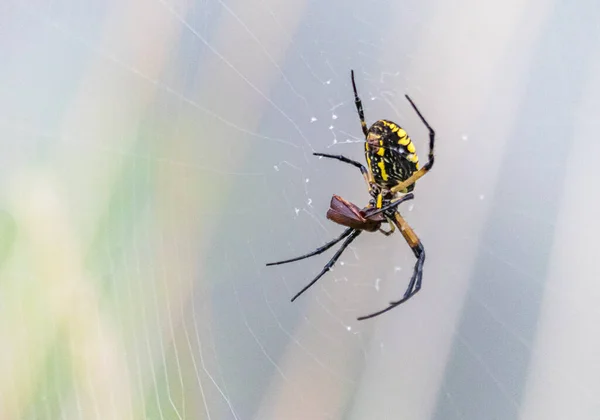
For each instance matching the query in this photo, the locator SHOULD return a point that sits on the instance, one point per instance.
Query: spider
(391, 172)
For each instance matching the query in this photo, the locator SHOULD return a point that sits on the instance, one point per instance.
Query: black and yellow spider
(391, 172)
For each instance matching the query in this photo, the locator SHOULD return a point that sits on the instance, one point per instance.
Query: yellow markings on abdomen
(367, 155)
(381, 166)
(403, 138)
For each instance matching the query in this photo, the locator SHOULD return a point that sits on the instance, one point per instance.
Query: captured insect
(391, 172)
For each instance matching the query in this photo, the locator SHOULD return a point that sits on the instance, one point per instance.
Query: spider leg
(359, 107)
(392, 227)
(365, 173)
(418, 174)
(392, 204)
(318, 251)
(331, 262)
(394, 304)
(415, 282)
(429, 163)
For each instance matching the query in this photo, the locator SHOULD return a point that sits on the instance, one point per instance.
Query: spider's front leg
(359, 107)
(365, 173)
(418, 174)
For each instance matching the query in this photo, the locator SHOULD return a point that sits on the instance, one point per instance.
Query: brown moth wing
(347, 214)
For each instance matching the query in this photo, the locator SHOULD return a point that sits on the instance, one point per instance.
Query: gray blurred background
(156, 154)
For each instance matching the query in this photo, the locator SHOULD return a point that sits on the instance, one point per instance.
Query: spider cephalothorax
(393, 169)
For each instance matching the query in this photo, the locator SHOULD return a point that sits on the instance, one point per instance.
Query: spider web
(157, 154)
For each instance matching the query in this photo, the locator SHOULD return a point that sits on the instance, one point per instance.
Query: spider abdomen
(390, 154)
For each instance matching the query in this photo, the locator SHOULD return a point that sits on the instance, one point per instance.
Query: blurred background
(156, 154)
